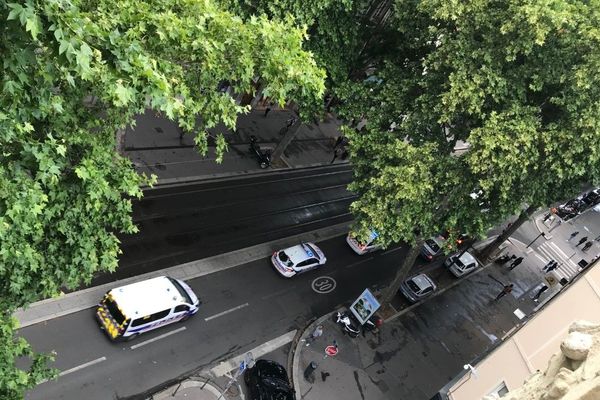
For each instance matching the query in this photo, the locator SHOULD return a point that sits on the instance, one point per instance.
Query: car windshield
(285, 258)
(458, 263)
(272, 370)
(310, 251)
(114, 311)
(181, 290)
(432, 245)
(413, 286)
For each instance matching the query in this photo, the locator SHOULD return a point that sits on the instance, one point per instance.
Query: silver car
(417, 288)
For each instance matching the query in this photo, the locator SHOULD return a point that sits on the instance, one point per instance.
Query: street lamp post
(536, 238)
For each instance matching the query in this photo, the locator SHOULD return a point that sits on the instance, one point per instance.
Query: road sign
(331, 350)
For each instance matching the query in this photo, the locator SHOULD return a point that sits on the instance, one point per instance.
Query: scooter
(343, 319)
(264, 159)
(370, 325)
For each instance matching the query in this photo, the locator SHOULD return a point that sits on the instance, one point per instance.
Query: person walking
(516, 262)
(586, 246)
(539, 292)
(581, 241)
(268, 109)
(336, 154)
(549, 265)
(505, 290)
(573, 236)
(316, 333)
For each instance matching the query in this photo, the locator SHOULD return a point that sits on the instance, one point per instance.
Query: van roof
(146, 297)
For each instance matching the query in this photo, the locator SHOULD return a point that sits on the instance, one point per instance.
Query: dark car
(268, 380)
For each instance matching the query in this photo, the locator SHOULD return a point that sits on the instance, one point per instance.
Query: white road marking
(233, 363)
(164, 335)
(226, 312)
(359, 262)
(82, 366)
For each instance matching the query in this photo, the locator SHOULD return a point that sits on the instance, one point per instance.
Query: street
(189, 222)
(269, 306)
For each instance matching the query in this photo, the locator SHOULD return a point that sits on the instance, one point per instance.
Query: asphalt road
(190, 222)
(264, 306)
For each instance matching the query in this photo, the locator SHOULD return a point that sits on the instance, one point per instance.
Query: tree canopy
(515, 81)
(74, 72)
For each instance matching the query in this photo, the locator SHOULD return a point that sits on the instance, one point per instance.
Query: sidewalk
(422, 347)
(158, 146)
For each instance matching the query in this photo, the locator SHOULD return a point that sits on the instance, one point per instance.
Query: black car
(268, 380)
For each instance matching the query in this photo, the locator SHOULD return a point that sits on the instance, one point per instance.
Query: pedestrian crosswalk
(567, 268)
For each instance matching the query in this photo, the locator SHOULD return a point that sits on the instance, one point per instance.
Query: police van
(129, 310)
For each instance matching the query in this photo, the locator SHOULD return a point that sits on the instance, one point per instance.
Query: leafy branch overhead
(74, 73)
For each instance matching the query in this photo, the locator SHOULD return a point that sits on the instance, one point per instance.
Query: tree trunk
(120, 142)
(290, 133)
(401, 273)
(485, 254)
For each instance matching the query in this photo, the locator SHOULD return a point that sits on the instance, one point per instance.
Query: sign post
(247, 362)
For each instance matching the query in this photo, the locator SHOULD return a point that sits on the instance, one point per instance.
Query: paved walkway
(421, 348)
(158, 146)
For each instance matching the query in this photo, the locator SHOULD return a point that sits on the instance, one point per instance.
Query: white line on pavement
(82, 366)
(157, 338)
(226, 312)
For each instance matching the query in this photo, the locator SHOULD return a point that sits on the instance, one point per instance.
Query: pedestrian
(338, 142)
(581, 241)
(505, 290)
(336, 154)
(316, 333)
(586, 246)
(552, 267)
(515, 263)
(549, 265)
(539, 292)
(268, 109)
(572, 236)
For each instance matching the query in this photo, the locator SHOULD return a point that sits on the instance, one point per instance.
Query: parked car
(417, 288)
(432, 248)
(363, 248)
(460, 266)
(267, 380)
(592, 197)
(297, 259)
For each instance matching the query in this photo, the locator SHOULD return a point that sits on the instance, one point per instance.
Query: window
(182, 308)
(305, 263)
(181, 290)
(150, 318)
(499, 390)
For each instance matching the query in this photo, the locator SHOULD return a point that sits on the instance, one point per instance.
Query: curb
(161, 183)
(294, 354)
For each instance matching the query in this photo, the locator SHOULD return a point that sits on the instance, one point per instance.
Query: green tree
(516, 82)
(74, 73)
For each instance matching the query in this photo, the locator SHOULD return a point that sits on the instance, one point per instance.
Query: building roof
(143, 298)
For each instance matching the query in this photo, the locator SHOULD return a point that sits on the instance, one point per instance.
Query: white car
(297, 259)
(461, 266)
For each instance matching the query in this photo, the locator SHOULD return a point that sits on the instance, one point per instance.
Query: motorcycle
(264, 158)
(343, 319)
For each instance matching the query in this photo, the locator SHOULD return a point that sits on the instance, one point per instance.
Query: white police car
(297, 259)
